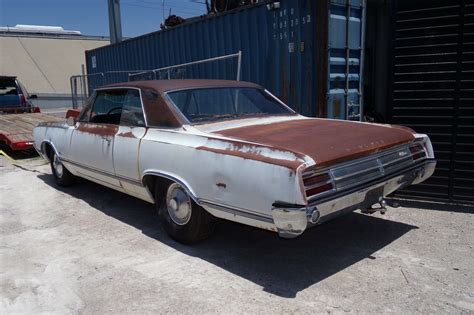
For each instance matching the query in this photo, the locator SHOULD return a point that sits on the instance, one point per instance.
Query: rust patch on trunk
(328, 142)
(98, 129)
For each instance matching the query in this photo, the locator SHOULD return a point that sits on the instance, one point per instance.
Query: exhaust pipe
(314, 215)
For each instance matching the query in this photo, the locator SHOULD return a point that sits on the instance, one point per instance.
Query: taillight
(22, 145)
(317, 184)
(417, 152)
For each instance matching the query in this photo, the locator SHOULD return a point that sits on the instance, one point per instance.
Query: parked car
(204, 149)
(13, 96)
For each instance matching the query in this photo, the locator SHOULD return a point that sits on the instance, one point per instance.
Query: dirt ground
(90, 249)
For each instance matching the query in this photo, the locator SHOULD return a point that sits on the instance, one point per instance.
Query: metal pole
(361, 60)
(192, 63)
(239, 65)
(83, 82)
(115, 23)
(348, 20)
(163, 3)
(73, 98)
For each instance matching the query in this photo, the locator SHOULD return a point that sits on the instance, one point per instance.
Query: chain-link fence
(226, 67)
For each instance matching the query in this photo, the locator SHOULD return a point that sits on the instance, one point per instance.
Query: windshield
(208, 104)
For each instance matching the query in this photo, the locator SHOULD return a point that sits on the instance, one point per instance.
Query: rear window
(209, 104)
(8, 87)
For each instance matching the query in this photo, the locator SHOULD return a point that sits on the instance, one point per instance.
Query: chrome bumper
(292, 220)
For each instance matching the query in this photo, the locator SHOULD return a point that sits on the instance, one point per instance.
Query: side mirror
(33, 97)
(71, 121)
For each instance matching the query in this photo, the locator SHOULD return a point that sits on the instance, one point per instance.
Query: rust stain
(221, 185)
(293, 165)
(328, 142)
(239, 145)
(127, 134)
(98, 129)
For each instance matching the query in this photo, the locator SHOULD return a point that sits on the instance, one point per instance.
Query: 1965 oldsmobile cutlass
(201, 149)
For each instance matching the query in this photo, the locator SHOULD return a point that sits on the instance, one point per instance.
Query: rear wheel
(61, 174)
(183, 219)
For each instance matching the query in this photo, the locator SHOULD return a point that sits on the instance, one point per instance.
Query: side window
(107, 107)
(132, 112)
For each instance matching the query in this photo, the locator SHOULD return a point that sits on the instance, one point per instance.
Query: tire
(61, 174)
(183, 219)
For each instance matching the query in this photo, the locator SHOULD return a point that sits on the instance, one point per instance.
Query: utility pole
(163, 3)
(115, 23)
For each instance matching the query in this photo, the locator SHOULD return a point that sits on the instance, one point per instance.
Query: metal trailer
(16, 130)
(308, 53)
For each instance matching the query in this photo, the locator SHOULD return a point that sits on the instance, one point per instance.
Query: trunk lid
(326, 141)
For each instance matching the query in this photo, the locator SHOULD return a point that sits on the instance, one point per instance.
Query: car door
(131, 130)
(92, 141)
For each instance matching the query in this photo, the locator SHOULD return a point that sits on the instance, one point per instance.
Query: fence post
(239, 65)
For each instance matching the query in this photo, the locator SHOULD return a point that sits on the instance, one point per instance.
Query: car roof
(7, 77)
(162, 86)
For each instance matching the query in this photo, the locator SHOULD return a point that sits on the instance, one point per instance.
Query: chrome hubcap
(178, 204)
(58, 167)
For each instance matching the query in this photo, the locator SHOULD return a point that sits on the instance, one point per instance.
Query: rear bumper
(292, 221)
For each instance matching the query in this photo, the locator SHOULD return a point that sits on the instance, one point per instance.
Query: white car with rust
(206, 149)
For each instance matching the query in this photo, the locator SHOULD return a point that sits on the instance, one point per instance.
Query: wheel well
(48, 150)
(152, 182)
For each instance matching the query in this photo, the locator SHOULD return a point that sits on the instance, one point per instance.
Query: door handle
(107, 139)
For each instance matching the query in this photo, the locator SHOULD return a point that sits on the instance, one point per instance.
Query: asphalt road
(90, 249)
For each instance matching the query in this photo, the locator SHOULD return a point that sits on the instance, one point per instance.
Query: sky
(90, 17)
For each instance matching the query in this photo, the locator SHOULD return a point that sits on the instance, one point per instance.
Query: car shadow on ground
(282, 267)
(429, 205)
(18, 155)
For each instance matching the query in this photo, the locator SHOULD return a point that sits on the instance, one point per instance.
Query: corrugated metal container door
(346, 24)
(277, 51)
(433, 90)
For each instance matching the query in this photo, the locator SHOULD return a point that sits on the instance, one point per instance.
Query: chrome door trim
(101, 172)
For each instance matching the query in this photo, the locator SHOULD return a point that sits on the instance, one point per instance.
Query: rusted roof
(162, 86)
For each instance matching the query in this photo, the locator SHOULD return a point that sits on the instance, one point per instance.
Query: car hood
(326, 141)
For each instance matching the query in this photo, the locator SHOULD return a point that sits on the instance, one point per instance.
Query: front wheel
(61, 174)
(183, 219)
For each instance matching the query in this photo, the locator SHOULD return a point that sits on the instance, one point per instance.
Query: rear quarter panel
(229, 180)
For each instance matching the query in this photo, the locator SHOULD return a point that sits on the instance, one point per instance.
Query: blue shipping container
(283, 49)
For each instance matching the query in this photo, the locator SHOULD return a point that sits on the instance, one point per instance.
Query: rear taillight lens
(417, 152)
(317, 184)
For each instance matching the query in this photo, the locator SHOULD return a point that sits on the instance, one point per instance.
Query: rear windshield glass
(8, 87)
(202, 105)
